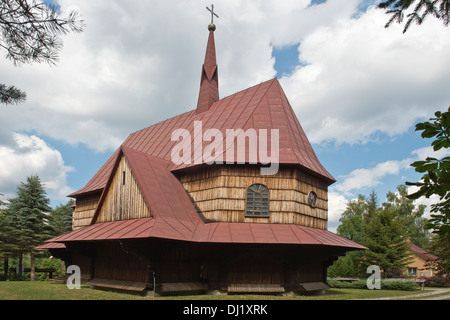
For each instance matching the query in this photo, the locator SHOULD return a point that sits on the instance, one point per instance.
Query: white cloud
(360, 78)
(356, 181)
(138, 63)
(26, 155)
(425, 152)
(422, 154)
(370, 177)
(337, 204)
(364, 178)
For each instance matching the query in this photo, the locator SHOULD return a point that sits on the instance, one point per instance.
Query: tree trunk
(19, 271)
(5, 266)
(32, 266)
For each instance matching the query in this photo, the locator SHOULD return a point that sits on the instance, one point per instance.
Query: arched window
(257, 204)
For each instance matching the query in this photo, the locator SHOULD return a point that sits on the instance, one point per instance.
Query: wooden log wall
(254, 267)
(124, 198)
(220, 194)
(113, 262)
(84, 210)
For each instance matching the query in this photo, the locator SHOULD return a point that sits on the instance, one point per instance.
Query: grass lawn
(26, 290)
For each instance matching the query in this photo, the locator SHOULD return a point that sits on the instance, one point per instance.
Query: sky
(357, 88)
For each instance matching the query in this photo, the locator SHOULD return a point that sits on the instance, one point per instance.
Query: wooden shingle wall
(84, 210)
(220, 194)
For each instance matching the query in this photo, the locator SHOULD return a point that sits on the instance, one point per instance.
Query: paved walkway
(427, 294)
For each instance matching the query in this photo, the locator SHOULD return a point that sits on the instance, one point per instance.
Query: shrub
(385, 285)
(361, 284)
(399, 285)
(437, 281)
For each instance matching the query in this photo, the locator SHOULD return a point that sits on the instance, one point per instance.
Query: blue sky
(357, 88)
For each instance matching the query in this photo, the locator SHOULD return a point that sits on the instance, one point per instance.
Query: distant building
(419, 268)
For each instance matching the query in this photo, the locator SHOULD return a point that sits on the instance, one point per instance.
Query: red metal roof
(216, 232)
(175, 217)
(173, 212)
(264, 106)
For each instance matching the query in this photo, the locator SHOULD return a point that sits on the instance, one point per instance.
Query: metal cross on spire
(212, 13)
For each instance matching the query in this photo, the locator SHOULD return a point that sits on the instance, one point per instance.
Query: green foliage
(360, 284)
(30, 32)
(437, 281)
(422, 9)
(60, 219)
(348, 266)
(399, 285)
(436, 180)
(384, 230)
(11, 95)
(386, 239)
(25, 218)
(385, 285)
(410, 215)
(440, 247)
(26, 222)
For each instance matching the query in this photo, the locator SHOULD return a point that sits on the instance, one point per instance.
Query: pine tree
(25, 219)
(416, 11)
(30, 32)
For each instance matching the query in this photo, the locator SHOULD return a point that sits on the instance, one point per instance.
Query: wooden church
(146, 223)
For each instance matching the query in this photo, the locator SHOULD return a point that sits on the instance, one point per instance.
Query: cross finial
(212, 26)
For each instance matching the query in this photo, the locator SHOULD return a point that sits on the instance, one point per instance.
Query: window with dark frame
(412, 271)
(257, 202)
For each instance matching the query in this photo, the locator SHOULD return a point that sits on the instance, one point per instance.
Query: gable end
(123, 199)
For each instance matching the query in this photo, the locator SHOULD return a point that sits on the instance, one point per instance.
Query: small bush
(437, 281)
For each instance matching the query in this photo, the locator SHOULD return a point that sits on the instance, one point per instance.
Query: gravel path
(427, 294)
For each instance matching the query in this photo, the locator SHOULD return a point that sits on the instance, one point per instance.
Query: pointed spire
(209, 83)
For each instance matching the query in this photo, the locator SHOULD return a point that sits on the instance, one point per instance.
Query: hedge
(386, 285)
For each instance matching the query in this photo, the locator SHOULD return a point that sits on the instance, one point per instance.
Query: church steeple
(209, 83)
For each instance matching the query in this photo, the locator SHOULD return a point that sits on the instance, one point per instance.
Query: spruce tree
(25, 219)
(60, 219)
(385, 236)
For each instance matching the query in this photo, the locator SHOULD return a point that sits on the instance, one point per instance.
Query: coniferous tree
(385, 236)
(440, 246)
(25, 219)
(416, 11)
(352, 226)
(30, 32)
(360, 222)
(6, 248)
(60, 219)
